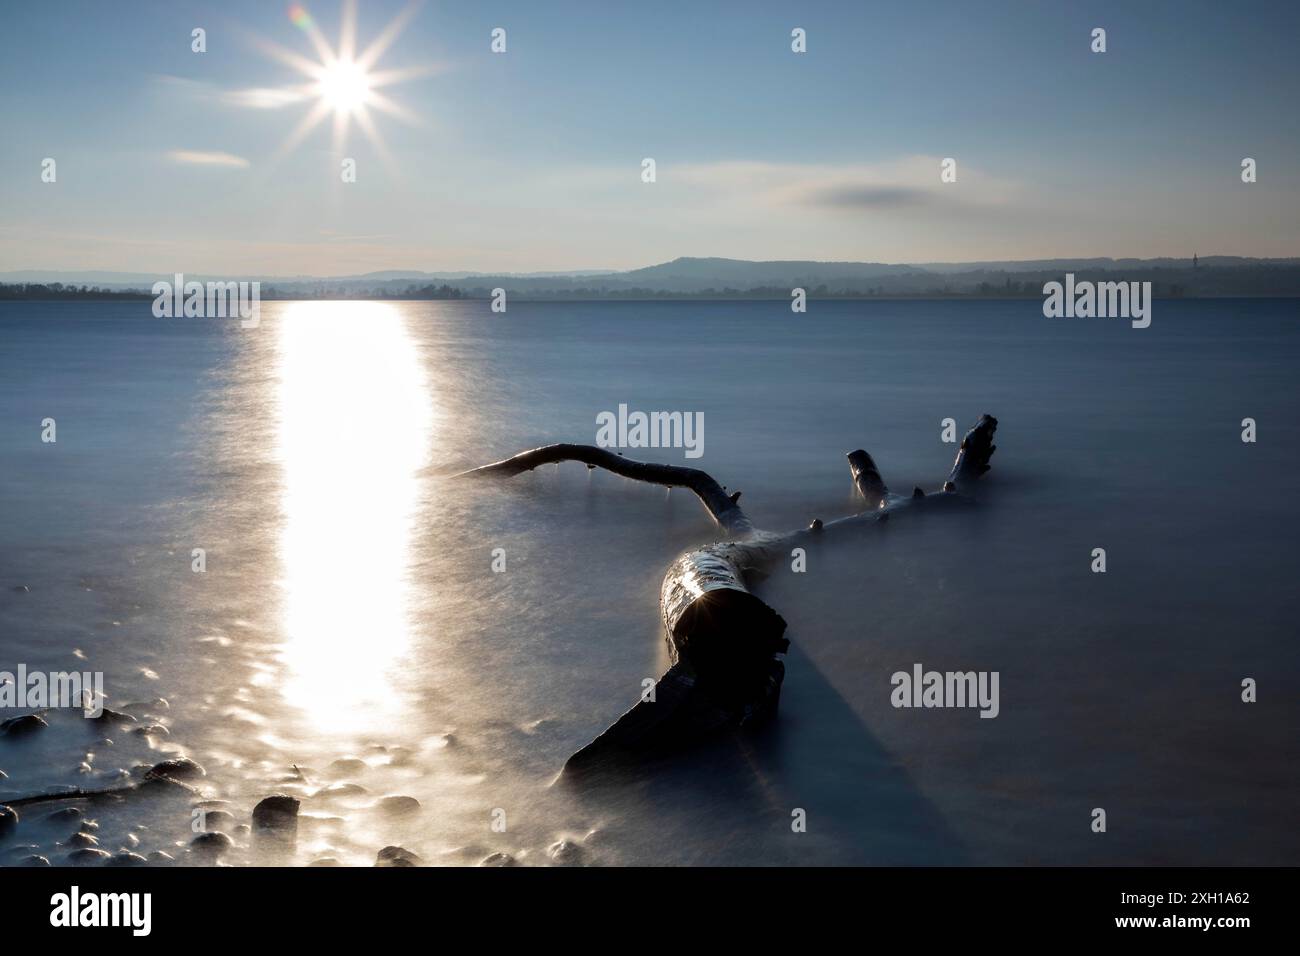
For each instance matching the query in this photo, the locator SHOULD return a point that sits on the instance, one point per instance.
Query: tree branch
(724, 642)
(721, 505)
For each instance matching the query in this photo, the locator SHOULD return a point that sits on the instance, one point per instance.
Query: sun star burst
(342, 82)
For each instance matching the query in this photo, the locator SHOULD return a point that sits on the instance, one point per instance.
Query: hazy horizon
(115, 275)
(530, 160)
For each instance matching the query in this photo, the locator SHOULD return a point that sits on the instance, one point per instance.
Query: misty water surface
(349, 641)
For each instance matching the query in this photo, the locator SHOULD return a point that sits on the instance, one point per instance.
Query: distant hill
(730, 278)
(693, 275)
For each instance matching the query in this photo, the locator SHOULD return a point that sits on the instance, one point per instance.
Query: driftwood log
(725, 644)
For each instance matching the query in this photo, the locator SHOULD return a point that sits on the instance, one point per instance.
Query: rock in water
(276, 815)
(211, 844)
(398, 805)
(340, 790)
(22, 725)
(112, 718)
(565, 853)
(180, 768)
(396, 856)
(8, 820)
(345, 766)
(499, 859)
(34, 860)
(126, 858)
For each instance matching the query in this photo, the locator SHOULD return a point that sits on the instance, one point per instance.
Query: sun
(340, 80)
(344, 86)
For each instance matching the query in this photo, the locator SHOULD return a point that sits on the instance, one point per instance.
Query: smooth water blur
(349, 640)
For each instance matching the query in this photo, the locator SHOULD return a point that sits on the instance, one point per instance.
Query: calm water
(349, 612)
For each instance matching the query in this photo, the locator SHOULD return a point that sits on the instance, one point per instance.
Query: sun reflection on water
(355, 422)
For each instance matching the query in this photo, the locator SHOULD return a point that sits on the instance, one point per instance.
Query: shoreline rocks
(396, 856)
(22, 725)
(178, 768)
(566, 853)
(211, 845)
(277, 816)
(394, 806)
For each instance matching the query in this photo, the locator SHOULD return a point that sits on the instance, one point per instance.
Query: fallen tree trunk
(724, 642)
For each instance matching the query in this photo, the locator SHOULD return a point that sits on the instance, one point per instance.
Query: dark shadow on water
(733, 800)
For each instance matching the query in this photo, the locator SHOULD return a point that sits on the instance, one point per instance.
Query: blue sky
(531, 159)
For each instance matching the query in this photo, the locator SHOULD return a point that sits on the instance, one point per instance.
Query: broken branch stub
(974, 452)
(866, 478)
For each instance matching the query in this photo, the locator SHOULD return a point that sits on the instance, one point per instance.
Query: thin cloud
(907, 182)
(257, 97)
(262, 98)
(197, 158)
(871, 197)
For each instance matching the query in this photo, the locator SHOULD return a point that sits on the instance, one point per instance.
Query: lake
(348, 640)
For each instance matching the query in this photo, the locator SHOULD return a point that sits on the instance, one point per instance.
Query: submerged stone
(276, 815)
(340, 790)
(396, 856)
(398, 805)
(213, 844)
(347, 765)
(113, 718)
(178, 768)
(22, 725)
(566, 853)
(126, 858)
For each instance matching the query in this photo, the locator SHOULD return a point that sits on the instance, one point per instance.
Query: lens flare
(299, 16)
